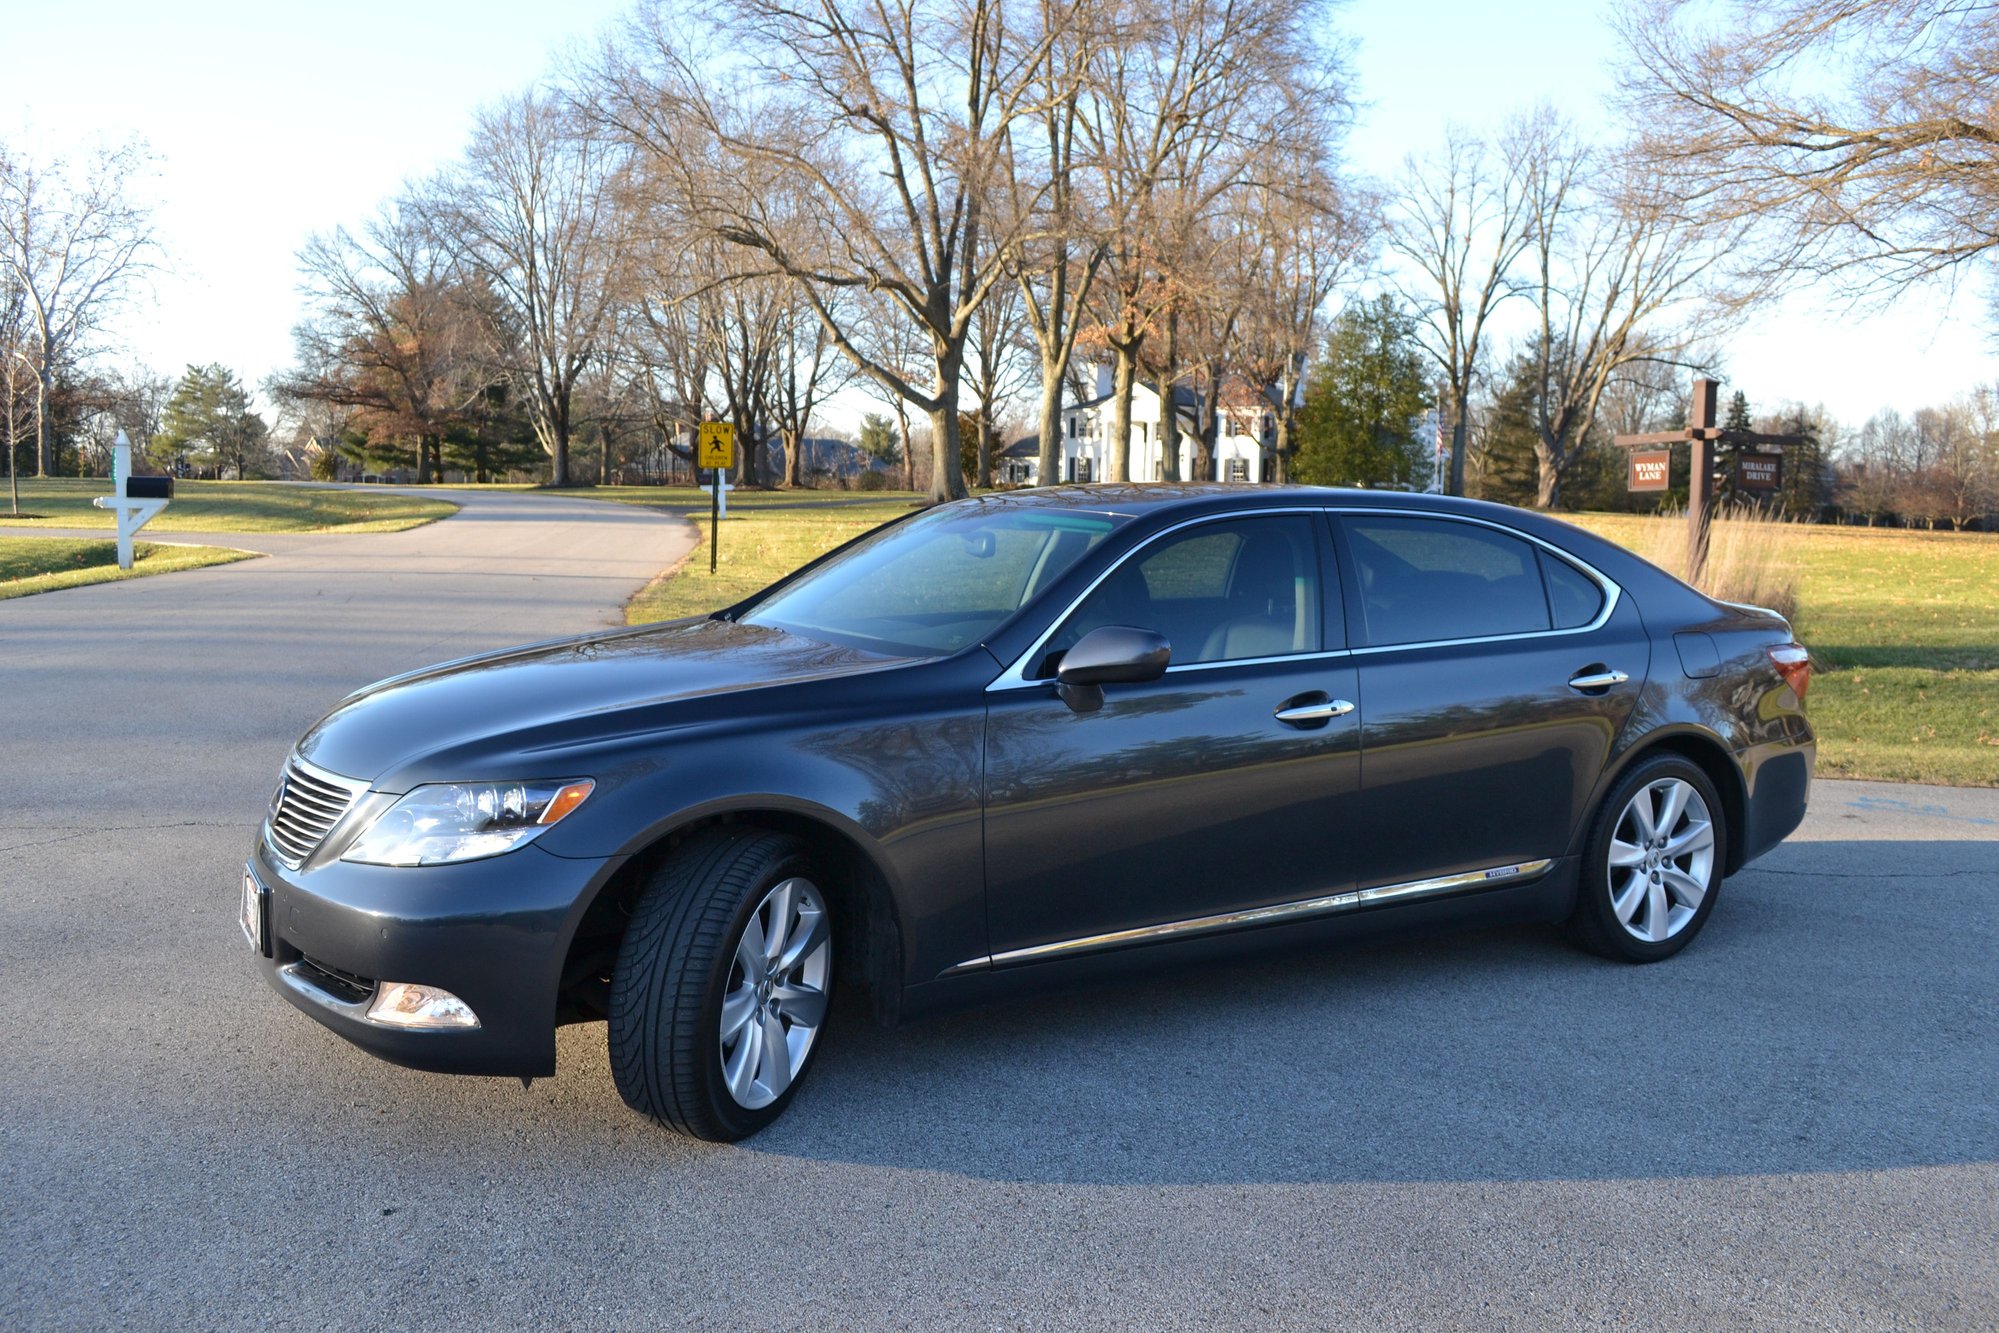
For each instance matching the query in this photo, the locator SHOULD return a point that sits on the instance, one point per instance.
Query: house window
(1081, 471)
(1238, 469)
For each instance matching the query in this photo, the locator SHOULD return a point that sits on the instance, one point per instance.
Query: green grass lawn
(1904, 632)
(760, 541)
(30, 565)
(228, 506)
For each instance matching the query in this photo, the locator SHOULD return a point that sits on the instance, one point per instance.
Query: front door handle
(1322, 711)
(1597, 678)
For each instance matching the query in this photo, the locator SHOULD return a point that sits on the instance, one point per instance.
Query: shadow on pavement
(1836, 1015)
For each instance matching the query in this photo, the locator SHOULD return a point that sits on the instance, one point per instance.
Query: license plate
(253, 913)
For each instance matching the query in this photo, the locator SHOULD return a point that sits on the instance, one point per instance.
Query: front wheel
(1653, 865)
(722, 985)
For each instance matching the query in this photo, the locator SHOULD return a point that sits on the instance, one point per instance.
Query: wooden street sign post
(715, 448)
(1704, 435)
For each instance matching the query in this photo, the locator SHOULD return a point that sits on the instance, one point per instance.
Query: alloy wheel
(775, 1002)
(1661, 860)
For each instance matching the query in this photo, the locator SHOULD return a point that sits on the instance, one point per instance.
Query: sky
(273, 121)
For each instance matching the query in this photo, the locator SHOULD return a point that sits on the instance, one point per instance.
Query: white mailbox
(134, 501)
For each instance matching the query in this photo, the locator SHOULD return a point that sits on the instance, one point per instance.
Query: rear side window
(1424, 579)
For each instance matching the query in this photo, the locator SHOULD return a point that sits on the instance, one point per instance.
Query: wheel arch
(867, 921)
(1705, 751)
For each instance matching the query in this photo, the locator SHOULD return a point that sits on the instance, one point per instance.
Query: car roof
(1164, 502)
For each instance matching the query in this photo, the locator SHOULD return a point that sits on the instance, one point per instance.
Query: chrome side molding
(1259, 916)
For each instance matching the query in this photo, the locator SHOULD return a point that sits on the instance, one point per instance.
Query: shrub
(1749, 557)
(872, 480)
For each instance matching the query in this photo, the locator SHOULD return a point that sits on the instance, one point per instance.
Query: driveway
(1796, 1122)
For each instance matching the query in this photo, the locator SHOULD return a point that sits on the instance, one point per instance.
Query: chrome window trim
(1303, 909)
(1015, 676)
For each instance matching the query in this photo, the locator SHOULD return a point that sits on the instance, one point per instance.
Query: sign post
(715, 448)
(134, 501)
(1703, 434)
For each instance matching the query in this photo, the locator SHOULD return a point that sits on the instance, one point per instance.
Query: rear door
(1490, 666)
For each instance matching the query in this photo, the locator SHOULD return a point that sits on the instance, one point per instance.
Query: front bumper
(493, 932)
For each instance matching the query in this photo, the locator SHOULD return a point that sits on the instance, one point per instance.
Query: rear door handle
(1323, 711)
(1599, 679)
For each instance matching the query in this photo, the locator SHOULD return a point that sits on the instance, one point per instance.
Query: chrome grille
(309, 802)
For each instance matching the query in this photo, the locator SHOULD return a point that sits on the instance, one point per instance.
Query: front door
(1187, 796)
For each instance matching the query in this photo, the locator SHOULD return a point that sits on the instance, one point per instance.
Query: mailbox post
(134, 501)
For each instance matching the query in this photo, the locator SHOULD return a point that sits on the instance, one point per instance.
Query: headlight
(451, 821)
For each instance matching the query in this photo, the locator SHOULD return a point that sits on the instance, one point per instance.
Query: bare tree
(73, 241)
(1461, 221)
(804, 371)
(889, 116)
(1859, 134)
(1063, 248)
(1309, 235)
(999, 367)
(1615, 275)
(1189, 99)
(534, 213)
(393, 333)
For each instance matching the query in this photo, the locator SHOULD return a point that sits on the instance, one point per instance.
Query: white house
(1243, 447)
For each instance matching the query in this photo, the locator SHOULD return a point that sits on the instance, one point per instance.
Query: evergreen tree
(878, 440)
(1359, 423)
(1726, 490)
(1511, 472)
(208, 423)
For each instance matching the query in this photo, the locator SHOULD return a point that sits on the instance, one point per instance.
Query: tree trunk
(908, 450)
(1169, 415)
(985, 478)
(1049, 470)
(1456, 484)
(947, 471)
(1117, 441)
(1548, 488)
(45, 445)
(794, 443)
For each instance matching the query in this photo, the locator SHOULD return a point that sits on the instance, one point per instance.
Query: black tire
(1596, 925)
(673, 969)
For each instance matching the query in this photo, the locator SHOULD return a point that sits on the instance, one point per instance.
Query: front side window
(1423, 580)
(1219, 592)
(937, 583)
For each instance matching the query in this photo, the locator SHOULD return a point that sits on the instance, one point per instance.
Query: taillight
(1794, 664)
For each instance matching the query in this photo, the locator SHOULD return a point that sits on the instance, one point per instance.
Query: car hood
(503, 706)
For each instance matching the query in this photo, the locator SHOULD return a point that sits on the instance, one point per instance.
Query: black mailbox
(149, 488)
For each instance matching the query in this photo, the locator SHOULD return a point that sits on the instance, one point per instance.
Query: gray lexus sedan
(1015, 742)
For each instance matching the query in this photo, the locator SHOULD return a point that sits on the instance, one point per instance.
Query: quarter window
(1422, 580)
(1573, 596)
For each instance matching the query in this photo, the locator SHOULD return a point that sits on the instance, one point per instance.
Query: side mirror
(1110, 655)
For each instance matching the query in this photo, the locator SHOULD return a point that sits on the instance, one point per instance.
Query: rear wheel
(1653, 865)
(722, 985)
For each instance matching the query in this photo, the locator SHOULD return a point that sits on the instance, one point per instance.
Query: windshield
(937, 583)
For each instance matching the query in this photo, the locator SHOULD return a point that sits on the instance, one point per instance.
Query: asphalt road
(1796, 1123)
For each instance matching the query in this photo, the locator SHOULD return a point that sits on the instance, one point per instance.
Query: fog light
(405, 1004)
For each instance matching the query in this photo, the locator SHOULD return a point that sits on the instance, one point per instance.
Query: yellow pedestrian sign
(715, 446)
